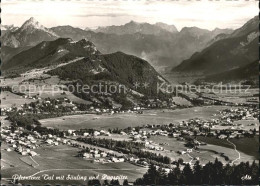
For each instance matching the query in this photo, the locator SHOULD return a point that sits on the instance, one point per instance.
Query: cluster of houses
(99, 156)
(4, 110)
(116, 110)
(237, 134)
(100, 133)
(21, 144)
(54, 140)
(143, 134)
(245, 113)
(62, 104)
(192, 127)
(138, 161)
(93, 133)
(43, 106)
(153, 146)
(35, 97)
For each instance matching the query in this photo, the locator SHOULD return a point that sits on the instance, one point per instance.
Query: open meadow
(205, 153)
(248, 146)
(124, 120)
(9, 99)
(235, 96)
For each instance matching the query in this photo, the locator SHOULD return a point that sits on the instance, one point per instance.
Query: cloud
(100, 15)
(91, 13)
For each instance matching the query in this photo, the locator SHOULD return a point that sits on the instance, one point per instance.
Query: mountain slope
(247, 72)
(225, 54)
(113, 68)
(89, 64)
(8, 52)
(249, 27)
(111, 77)
(131, 69)
(29, 34)
(50, 52)
(80, 63)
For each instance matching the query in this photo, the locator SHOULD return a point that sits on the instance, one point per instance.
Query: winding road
(235, 148)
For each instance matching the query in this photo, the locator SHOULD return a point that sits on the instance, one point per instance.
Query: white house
(86, 134)
(189, 150)
(49, 141)
(8, 150)
(24, 153)
(86, 155)
(32, 153)
(96, 133)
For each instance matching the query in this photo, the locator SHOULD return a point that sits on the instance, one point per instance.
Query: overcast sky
(92, 13)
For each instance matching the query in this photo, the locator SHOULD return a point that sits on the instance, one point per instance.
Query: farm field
(117, 137)
(9, 99)
(246, 145)
(61, 160)
(106, 121)
(235, 96)
(206, 153)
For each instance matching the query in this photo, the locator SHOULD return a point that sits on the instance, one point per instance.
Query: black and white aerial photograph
(129, 92)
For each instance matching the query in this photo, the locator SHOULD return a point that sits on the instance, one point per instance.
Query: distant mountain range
(7, 28)
(201, 51)
(229, 53)
(142, 28)
(160, 44)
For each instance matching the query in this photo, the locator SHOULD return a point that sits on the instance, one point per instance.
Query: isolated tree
(187, 175)
(162, 176)
(125, 182)
(180, 161)
(174, 176)
(114, 182)
(217, 177)
(94, 182)
(207, 173)
(197, 172)
(105, 182)
(152, 176)
(228, 173)
(254, 173)
(139, 181)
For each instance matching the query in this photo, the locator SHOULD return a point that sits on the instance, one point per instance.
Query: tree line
(212, 174)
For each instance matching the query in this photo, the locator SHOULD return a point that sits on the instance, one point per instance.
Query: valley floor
(124, 120)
